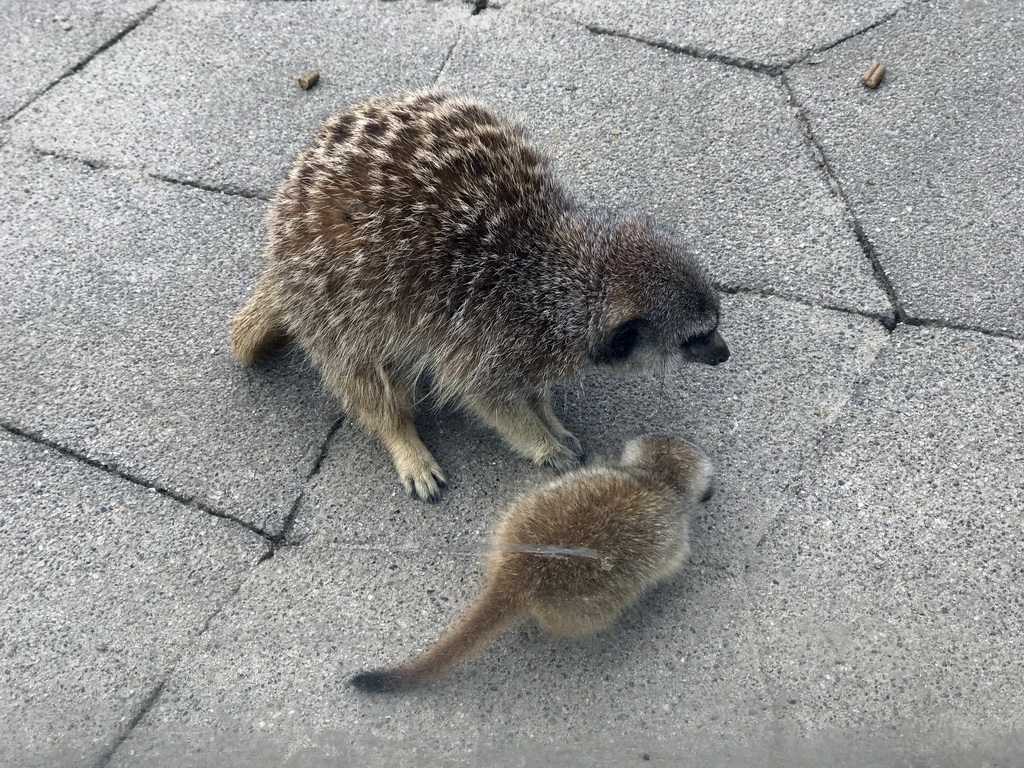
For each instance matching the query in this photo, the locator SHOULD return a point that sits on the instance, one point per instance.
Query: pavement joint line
(857, 33)
(863, 240)
(283, 539)
(738, 290)
(886, 321)
(102, 165)
(128, 477)
(451, 52)
(150, 701)
(82, 63)
(739, 61)
(95, 165)
(224, 189)
(694, 51)
(924, 322)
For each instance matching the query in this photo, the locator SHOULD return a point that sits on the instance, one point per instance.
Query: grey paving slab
(711, 149)
(206, 91)
(117, 293)
(759, 416)
(269, 678)
(43, 40)
(105, 585)
(931, 160)
(770, 33)
(889, 588)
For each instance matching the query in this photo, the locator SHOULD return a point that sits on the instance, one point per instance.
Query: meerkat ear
(621, 341)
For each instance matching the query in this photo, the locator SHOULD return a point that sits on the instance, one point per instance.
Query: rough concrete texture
(889, 588)
(711, 149)
(242, 116)
(276, 665)
(117, 296)
(755, 33)
(44, 40)
(802, 362)
(854, 595)
(931, 160)
(105, 586)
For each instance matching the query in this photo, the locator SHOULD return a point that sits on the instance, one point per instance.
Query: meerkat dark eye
(622, 342)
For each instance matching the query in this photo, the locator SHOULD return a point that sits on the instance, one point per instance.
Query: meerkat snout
(707, 348)
(575, 553)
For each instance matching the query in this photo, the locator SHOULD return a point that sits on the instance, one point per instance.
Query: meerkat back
(575, 553)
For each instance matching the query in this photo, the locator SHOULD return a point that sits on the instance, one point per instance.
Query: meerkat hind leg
(521, 423)
(383, 405)
(257, 328)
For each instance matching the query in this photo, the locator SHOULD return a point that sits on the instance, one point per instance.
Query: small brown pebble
(309, 79)
(873, 74)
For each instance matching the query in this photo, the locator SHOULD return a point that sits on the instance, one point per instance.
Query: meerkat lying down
(422, 238)
(575, 553)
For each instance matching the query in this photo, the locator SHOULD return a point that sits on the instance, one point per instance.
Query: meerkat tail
(256, 329)
(489, 616)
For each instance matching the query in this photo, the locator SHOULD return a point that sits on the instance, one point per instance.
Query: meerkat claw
(565, 460)
(425, 487)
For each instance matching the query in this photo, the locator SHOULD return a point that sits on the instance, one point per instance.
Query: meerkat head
(657, 300)
(676, 462)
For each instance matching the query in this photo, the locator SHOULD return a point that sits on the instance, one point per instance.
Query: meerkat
(576, 553)
(422, 238)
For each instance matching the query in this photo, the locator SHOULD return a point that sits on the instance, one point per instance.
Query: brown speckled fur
(421, 238)
(577, 552)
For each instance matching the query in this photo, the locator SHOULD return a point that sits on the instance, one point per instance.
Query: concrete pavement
(196, 556)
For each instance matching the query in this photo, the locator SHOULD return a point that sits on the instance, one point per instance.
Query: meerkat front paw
(426, 486)
(422, 480)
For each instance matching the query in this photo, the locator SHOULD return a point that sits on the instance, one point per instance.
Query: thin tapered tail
(490, 615)
(257, 328)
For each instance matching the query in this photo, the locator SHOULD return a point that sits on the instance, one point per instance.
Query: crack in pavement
(284, 538)
(836, 185)
(694, 51)
(147, 704)
(84, 62)
(115, 471)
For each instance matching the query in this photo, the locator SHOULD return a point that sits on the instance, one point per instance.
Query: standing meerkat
(422, 238)
(575, 553)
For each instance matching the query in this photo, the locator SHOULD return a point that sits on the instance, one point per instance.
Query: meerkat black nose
(719, 354)
(710, 349)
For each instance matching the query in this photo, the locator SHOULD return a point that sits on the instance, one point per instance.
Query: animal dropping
(873, 74)
(420, 241)
(576, 553)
